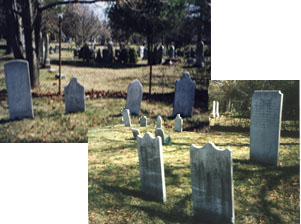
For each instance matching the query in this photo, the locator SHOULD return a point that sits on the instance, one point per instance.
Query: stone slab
(135, 132)
(212, 184)
(74, 94)
(151, 166)
(178, 123)
(134, 97)
(143, 121)
(265, 127)
(184, 96)
(160, 132)
(18, 89)
(126, 117)
(159, 122)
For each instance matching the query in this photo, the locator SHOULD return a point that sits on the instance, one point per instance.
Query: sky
(99, 8)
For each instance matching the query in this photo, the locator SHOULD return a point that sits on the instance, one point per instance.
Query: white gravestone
(151, 166)
(135, 132)
(178, 123)
(134, 97)
(74, 94)
(143, 121)
(18, 89)
(213, 109)
(217, 109)
(126, 117)
(184, 96)
(160, 132)
(265, 127)
(159, 122)
(212, 184)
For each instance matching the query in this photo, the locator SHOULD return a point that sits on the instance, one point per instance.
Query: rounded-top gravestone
(74, 94)
(134, 97)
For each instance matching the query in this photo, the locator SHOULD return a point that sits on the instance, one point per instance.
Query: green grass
(262, 194)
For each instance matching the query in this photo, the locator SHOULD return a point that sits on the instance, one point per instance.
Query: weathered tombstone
(159, 122)
(213, 109)
(184, 96)
(217, 109)
(265, 127)
(135, 132)
(74, 94)
(18, 89)
(143, 121)
(172, 51)
(57, 49)
(151, 166)
(212, 184)
(160, 132)
(134, 97)
(126, 117)
(140, 51)
(178, 123)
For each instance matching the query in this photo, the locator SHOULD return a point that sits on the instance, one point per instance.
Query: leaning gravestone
(134, 97)
(266, 111)
(143, 121)
(126, 117)
(212, 184)
(135, 132)
(160, 132)
(178, 123)
(18, 89)
(184, 96)
(159, 122)
(74, 94)
(151, 166)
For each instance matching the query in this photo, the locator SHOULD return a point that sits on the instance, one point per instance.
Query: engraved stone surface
(178, 123)
(143, 121)
(266, 111)
(184, 96)
(151, 166)
(18, 89)
(74, 94)
(135, 132)
(212, 184)
(134, 97)
(159, 122)
(160, 132)
(126, 117)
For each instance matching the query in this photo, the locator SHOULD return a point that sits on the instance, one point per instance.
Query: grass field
(262, 194)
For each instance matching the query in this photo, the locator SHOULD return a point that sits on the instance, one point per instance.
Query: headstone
(57, 49)
(212, 184)
(159, 122)
(143, 121)
(52, 70)
(265, 127)
(184, 96)
(160, 132)
(213, 109)
(105, 55)
(172, 51)
(151, 166)
(145, 54)
(140, 51)
(18, 89)
(135, 132)
(74, 94)
(134, 97)
(178, 123)
(217, 109)
(63, 76)
(126, 117)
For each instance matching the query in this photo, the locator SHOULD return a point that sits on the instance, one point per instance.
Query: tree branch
(50, 5)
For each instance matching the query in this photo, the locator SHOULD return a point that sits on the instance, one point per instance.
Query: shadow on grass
(80, 63)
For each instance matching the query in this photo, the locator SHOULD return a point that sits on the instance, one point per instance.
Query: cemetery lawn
(262, 193)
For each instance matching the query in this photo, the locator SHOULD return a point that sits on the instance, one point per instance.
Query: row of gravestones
(183, 101)
(19, 92)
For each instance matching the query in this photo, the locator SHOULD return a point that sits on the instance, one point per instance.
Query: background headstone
(212, 184)
(265, 127)
(135, 132)
(178, 123)
(159, 122)
(74, 94)
(160, 132)
(134, 97)
(143, 121)
(126, 117)
(184, 96)
(213, 108)
(18, 89)
(151, 166)
(217, 109)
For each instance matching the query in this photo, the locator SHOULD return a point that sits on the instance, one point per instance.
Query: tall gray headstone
(178, 123)
(126, 117)
(134, 97)
(151, 166)
(18, 89)
(159, 122)
(266, 111)
(184, 96)
(143, 121)
(74, 94)
(160, 132)
(212, 184)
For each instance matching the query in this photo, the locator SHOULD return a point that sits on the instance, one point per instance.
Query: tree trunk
(13, 31)
(31, 56)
